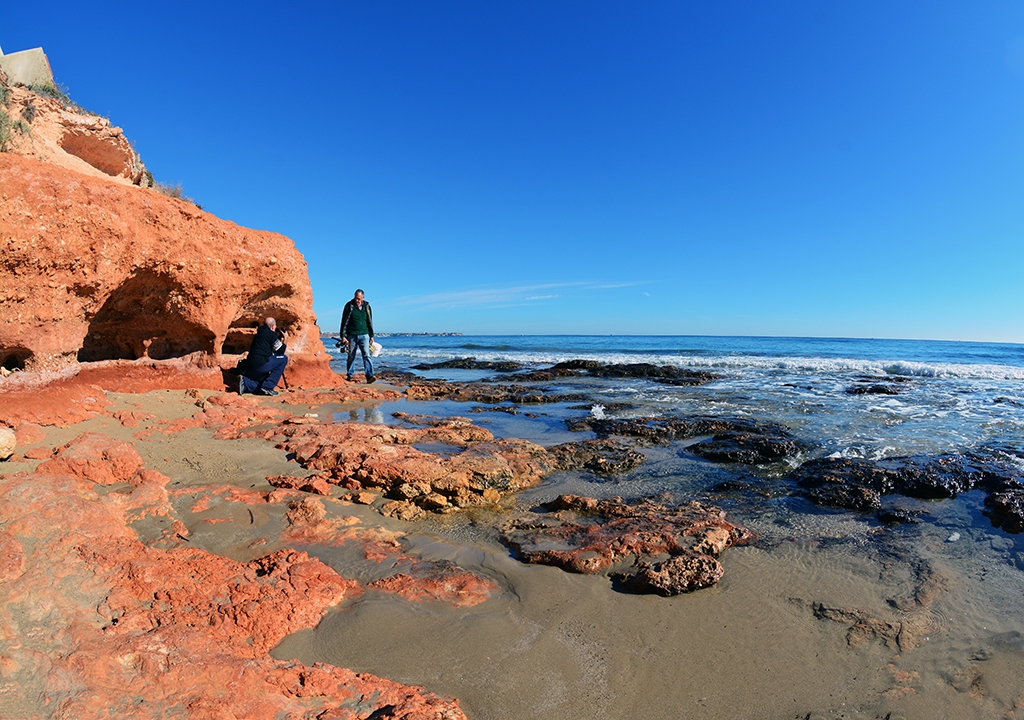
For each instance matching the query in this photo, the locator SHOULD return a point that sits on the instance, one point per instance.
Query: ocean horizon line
(691, 335)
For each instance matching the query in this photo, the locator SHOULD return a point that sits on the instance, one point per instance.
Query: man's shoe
(349, 378)
(271, 393)
(371, 379)
(241, 384)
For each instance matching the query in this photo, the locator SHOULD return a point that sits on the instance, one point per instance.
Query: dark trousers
(267, 375)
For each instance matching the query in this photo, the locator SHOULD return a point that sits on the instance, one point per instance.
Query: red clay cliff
(96, 268)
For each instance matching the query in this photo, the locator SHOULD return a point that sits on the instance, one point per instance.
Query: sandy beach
(439, 603)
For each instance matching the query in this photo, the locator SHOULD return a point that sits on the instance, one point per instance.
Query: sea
(952, 395)
(559, 644)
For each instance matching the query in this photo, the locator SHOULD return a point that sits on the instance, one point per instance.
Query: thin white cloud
(502, 296)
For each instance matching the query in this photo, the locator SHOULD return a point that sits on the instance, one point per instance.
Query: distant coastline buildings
(423, 334)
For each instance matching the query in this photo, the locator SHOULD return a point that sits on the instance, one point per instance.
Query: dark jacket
(265, 344)
(346, 318)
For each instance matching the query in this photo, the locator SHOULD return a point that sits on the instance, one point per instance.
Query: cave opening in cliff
(14, 358)
(105, 154)
(268, 303)
(144, 317)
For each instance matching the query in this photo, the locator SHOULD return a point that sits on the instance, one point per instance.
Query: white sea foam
(883, 452)
(943, 404)
(798, 365)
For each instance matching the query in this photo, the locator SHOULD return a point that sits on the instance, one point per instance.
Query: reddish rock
(131, 418)
(682, 573)
(66, 136)
(313, 484)
(231, 493)
(342, 393)
(364, 498)
(29, 433)
(309, 525)
(587, 535)
(96, 457)
(63, 404)
(381, 457)
(12, 557)
(439, 582)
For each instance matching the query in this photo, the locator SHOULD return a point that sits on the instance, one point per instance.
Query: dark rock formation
(875, 389)
(484, 392)
(652, 431)
(858, 484)
(1006, 510)
(849, 483)
(667, 374)
(604, 457)
(899, 515)
(747, 447)
(739, 433)
(471, 364)
(577, 365)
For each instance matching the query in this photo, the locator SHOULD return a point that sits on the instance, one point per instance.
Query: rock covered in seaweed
(665, 374)
(485, 392)
(603, 457)
(471, 364)
(859, 484)
(771, 444)
(1006, 510)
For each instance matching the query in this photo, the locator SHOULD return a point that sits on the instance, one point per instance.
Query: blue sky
(793, 168)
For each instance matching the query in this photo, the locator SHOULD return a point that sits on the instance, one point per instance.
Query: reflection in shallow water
(365, 414)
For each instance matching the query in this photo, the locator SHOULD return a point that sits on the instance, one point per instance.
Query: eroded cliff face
(58, 133)
(97, 270)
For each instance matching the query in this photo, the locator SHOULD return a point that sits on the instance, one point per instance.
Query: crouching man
(264, 365)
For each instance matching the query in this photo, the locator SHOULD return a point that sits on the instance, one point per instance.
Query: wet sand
(551, 644)
(556, 645)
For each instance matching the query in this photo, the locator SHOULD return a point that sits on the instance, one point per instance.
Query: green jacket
(355, 321)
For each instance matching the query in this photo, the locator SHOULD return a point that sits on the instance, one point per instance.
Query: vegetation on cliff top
(55, 91)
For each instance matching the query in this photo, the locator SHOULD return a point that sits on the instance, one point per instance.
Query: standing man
(357, 332)
(264, 365)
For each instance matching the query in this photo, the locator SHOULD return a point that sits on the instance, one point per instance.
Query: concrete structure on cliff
(27, 67)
